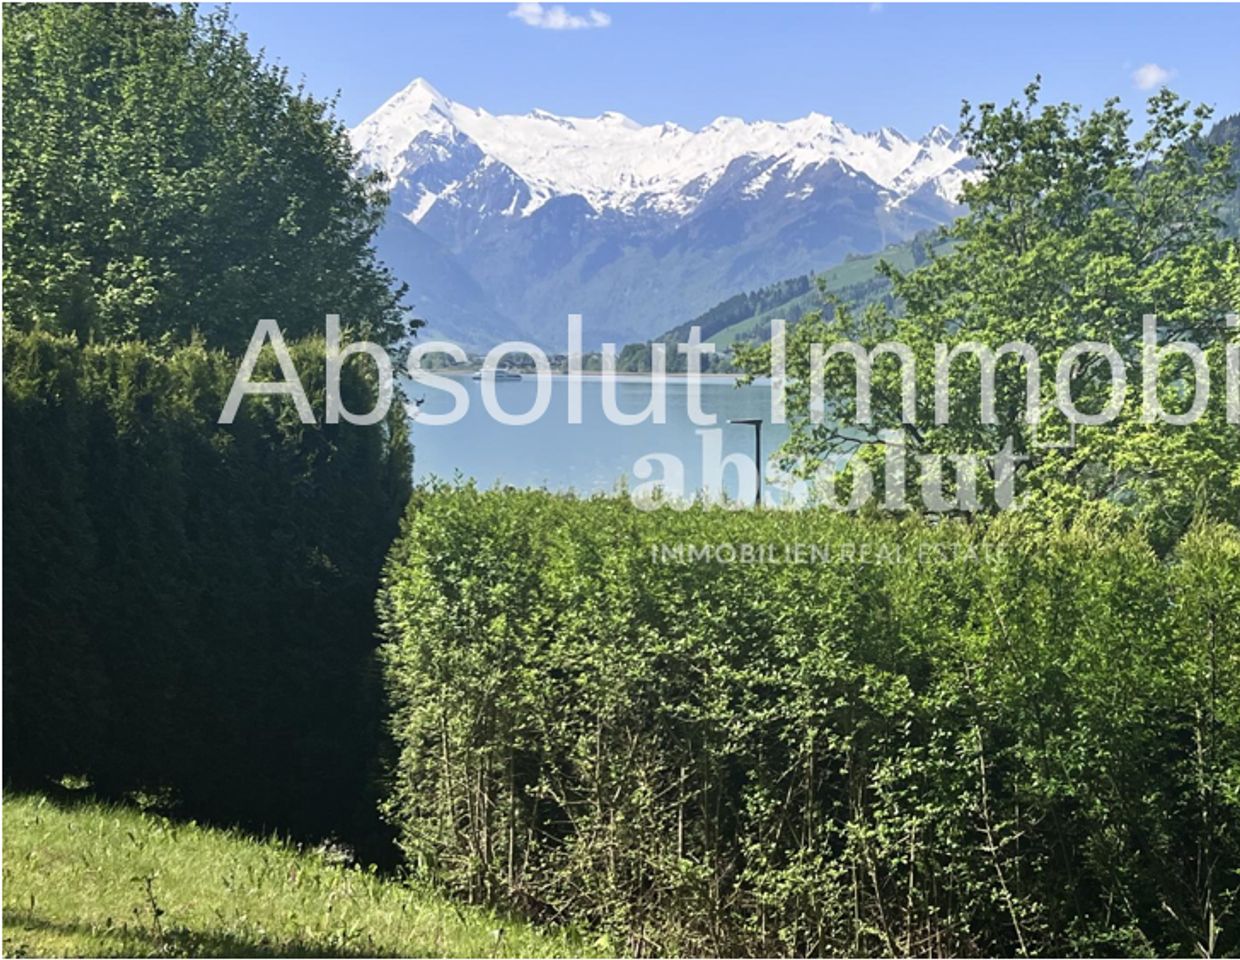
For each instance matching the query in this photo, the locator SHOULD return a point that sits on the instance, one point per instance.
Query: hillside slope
(91, 880)
(855, 281)
(748, 315)
(1227, 131)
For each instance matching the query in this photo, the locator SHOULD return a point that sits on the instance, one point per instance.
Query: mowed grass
(92, 880)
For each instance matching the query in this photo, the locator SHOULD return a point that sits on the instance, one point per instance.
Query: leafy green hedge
(188, 607)
(975, 741)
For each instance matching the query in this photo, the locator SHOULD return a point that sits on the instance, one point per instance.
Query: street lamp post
(756, 423)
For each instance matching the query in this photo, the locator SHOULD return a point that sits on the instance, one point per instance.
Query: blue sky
(869, 65)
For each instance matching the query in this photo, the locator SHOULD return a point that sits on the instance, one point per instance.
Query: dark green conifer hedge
(188, 607)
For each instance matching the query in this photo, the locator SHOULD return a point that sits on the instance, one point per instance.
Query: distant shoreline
(585, 374)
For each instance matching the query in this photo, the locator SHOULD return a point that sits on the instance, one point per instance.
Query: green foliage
(160, 180)
(1074, 233)
(1227, 133)
(85, 880)
(187, 605)
(956, 739)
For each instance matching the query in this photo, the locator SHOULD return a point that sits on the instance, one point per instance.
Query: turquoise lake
(595, 455)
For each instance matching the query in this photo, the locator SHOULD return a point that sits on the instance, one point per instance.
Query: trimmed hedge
(188, 607)
(960, 740)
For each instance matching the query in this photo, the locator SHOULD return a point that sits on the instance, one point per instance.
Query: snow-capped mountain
(502, 225)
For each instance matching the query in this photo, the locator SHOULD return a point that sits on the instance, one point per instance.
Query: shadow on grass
(85, 940)
(374, 846)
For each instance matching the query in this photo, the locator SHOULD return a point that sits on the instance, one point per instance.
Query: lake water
(596, 454)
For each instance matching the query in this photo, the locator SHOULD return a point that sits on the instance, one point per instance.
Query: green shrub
(968, 739)
(188, 607)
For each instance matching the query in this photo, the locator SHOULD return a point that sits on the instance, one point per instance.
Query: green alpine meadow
(585, 522)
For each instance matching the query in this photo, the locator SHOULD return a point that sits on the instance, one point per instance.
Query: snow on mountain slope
(505, 224)
(618, 164)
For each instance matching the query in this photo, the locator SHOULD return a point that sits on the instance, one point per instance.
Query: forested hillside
(747, 317)
(1227, 131)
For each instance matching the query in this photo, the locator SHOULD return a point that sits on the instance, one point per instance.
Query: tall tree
(160, 179)
(1075, 232)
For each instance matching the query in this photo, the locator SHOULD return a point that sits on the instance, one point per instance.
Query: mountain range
(504, 224)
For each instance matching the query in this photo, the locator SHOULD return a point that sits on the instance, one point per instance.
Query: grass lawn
(92, 880)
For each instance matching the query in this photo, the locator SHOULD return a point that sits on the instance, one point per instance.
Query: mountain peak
(890, 136)
(422, 85)
(616, 163)
(421, 94)
(615, 118)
